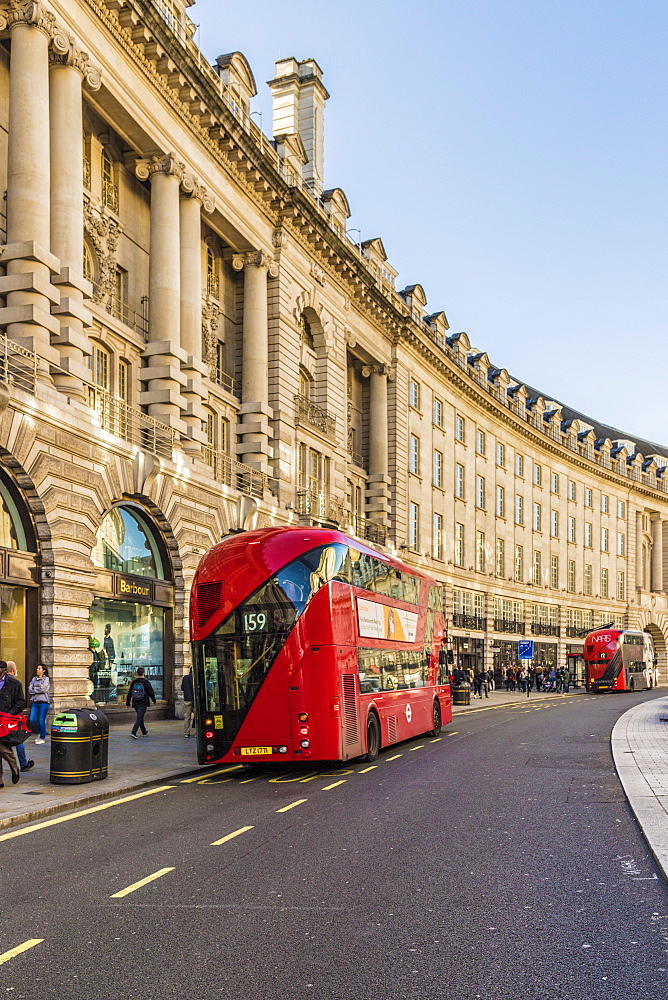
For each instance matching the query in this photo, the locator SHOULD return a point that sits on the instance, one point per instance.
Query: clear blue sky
(511, 154)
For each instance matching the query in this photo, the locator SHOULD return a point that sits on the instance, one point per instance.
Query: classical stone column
(378, 481)
(29, 262)
(657, 552)
(67, 212)
(163, 377)
(194, 200)
(254, 428)
(640, 581)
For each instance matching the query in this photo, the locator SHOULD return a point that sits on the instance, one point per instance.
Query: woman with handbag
(38, 689)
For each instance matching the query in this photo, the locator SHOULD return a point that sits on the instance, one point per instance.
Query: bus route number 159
(255, 621)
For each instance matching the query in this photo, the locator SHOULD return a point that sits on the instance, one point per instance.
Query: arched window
(12, 531)
(306, 384)
(100, 362)
(125, 543)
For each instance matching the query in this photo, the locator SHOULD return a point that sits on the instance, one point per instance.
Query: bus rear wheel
(438, 724)
(372, 737)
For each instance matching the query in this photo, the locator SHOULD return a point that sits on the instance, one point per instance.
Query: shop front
(132, 619)
(545, 656)
(19, 584)
(469, 654)
(505, 656)
(576, 663)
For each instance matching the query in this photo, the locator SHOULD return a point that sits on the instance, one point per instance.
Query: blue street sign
(525, 649)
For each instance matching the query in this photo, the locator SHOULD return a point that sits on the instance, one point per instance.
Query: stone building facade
(192, 344)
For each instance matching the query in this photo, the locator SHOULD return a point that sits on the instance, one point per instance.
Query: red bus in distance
(619, 660)
(307, 644)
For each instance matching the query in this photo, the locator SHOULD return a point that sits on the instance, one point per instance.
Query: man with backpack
(140, 694)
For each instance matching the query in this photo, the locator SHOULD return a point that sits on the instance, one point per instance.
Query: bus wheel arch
(373, 740)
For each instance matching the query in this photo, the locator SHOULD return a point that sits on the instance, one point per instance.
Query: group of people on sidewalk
(514, 678)
(13, 702)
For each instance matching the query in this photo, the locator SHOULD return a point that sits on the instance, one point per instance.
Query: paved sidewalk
(133, 764)
(640, 751)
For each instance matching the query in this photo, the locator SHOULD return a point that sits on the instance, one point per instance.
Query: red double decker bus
(310, 644)
(619, 660)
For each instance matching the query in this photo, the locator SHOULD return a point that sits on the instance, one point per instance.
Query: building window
(537, 568)
(537, 475)
(459, 544)
(621, 543)
(519, 509)
(480, 492)
(438, 469)
(480, 551)
(413, 526)
(621, 508)
(537, 517)
(437, 537)
(500, 501)
(605, 503)
(571, 576)
(519, 564)
(414, 394)
(500, 557)
(414, 455)
(554, 572)
(212, 283)
(438, 412)
(459, 482)
(554, 524)
(109, 187)
(460, 429)
(604, 582)
(555, 482)
(571, 529)
(588, 535)
(604, 539)
(101, 365)
(480, 443)
(572, 495)
(501, 455)
(588, 497)
(621, 589)
(519, 465)
(587, 579)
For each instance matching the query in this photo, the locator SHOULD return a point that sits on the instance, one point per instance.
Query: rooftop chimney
(299, 99)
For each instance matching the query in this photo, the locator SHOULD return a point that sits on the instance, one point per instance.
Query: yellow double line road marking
(138, 885)
(13, 952)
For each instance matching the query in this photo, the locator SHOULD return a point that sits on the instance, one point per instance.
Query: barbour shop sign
(131, 588)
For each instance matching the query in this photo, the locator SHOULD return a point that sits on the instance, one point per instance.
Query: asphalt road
(500, 861)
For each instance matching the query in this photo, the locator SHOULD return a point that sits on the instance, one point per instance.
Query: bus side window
(369, 670)
(411, 588)
(362, 570)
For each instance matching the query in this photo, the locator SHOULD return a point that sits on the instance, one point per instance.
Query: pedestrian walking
(40, 699)
(567, 679)
(12, 701)
(24, 763)
(188, 702)
(140, 695)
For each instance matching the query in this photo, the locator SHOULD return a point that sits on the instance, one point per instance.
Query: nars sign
(130, 588)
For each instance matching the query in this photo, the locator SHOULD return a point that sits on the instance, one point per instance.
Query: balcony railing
(372, 531)
(321, 506)
(124, 421)
(508, 625)
(18, 367)
(137, 321)
(574, 632)
(224, 380)
(235, 474)
(541, 628)
(469, 621)
(308, 412)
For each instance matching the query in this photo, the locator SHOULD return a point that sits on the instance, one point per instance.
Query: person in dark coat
(188, 699)
(140, 701)
(13, 702)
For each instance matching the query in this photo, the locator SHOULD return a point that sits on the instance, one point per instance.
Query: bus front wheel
(438, 725)
(372, 737)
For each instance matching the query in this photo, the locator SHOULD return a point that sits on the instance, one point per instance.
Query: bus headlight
(282, 749)
(209, 746)
(305, 744)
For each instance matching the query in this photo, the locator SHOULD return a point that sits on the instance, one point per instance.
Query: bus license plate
(254, 751)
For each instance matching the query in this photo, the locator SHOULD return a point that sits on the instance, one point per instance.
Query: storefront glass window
(125, 636)
(13, 627)
(126, 544)
(12, 535)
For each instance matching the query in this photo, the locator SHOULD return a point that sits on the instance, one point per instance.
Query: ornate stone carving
(255, 258)
(167, 164)
(318, 274)
(379, 369)
(277, 238)
(191, 186)
(210, 324)
(104, 233)
(72, 55)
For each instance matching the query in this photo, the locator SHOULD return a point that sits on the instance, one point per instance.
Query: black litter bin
(79, 747)
(462, 694)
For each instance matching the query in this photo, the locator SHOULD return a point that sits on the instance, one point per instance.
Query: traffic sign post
(525, 652)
